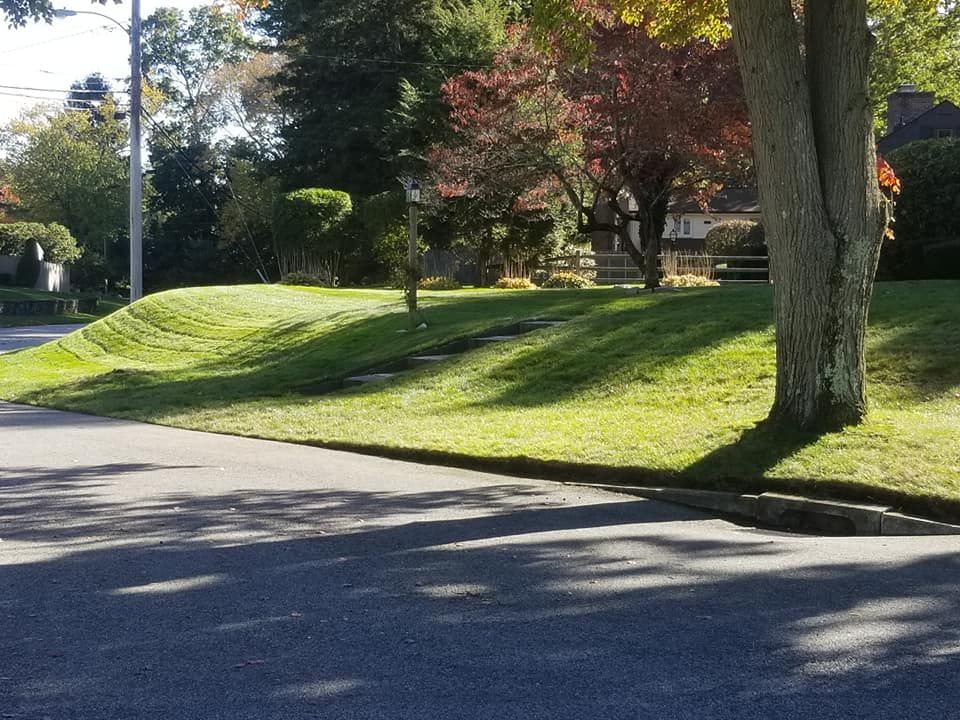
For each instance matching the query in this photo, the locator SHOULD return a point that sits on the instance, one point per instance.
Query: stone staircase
(446, 352)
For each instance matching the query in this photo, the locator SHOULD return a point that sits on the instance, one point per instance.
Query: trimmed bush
(439, 283)
(514, 283)
(688, 281)
(28, 269)
(926, 212)
(302, 280)
(308, 227)
(737, 237)
(567, 280)
(59, 246)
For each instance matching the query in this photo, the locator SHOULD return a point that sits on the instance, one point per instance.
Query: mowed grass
(107, 306)
(668, 388)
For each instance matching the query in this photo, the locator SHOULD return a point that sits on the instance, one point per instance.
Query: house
(687, 223)
(912, 115)
(687, 227)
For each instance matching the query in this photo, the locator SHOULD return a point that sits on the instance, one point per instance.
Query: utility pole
(136, 165)
(413, 254)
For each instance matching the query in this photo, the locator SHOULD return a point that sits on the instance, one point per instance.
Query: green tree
(917, 41)
(806, 72)
(362, 81)
(70, 168)
(182, 55)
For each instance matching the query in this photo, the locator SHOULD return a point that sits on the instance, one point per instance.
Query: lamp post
(136, 163)
(413, 259)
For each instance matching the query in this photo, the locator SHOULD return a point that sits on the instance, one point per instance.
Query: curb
(792, 512)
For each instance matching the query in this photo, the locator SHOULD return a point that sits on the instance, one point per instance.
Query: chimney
(905, 105)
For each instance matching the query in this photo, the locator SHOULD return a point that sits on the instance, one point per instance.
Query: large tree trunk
(822, 207)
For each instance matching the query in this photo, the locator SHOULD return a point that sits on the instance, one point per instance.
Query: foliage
(689, 281)
(926, 212)
(247, 98)
(246, 215)
(438, 283)
(58, 245)
(566, 280)
(639, 118)
(362, 81)
(514, 283)
(308, 227)
(70, 168)
(916, 41)
(182, 55)
(303, 280)
(28, 268)
(736, 237)
(18, 12)
(382, 227)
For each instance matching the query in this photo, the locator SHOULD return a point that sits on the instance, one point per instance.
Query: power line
(53, 40)
(258, 264)
(77, 91)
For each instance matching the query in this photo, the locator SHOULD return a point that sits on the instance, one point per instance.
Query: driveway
(152, 573)
(16, 338)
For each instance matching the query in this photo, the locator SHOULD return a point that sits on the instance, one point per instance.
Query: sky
(52, 56)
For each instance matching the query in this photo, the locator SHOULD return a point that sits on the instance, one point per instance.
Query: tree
(641, 119)
(183, 54)
(807, 81)
(916, 41)
(18, 12)
(70, 168)
(87, 94)
(361, 84)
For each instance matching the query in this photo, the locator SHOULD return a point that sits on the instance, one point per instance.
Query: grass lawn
(667, 388)
(107, 306)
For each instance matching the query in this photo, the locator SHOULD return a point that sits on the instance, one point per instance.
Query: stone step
(366, 379)
(532, 325)
(421, 360)
(481, 341)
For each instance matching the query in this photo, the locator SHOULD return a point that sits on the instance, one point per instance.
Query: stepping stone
(365, 379)
(531, 325)
(493, 339)
(419, 360)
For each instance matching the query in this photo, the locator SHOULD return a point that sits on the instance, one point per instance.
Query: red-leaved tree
(657, 123)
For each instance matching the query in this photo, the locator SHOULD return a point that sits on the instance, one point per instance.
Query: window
(686, 227)
(943, 133)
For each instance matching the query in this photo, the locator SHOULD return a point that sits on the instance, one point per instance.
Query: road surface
(16, 338)
(153, 573)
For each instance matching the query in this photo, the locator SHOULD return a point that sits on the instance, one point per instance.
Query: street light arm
(65, 13)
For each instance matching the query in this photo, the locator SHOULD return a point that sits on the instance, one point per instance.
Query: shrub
(59, 246)
(926, 212)
(438, 283)
(308, 226)
(514, 283)
(28, 269)
(688, 281)
(736, 237)
(567, 280)
(303, 280)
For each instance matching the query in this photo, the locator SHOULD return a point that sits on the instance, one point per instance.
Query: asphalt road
(151, 573)
(16, 338)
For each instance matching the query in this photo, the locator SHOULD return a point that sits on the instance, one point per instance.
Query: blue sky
(53, 56)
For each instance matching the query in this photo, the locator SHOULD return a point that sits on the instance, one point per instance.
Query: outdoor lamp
(413, 193)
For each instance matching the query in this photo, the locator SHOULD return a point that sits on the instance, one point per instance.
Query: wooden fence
(613, 268)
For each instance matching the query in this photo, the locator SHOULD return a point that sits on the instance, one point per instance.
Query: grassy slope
(107, 306)
(665, 388)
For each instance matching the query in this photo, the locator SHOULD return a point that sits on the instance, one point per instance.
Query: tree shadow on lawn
(508, 609)
(262, 371)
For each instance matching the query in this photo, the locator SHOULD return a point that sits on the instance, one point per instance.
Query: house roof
(727, 201)
(945, 105)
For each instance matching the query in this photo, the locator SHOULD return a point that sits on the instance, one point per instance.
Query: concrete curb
(792, 512)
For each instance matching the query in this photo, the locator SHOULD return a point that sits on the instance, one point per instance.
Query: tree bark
(822, 207)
